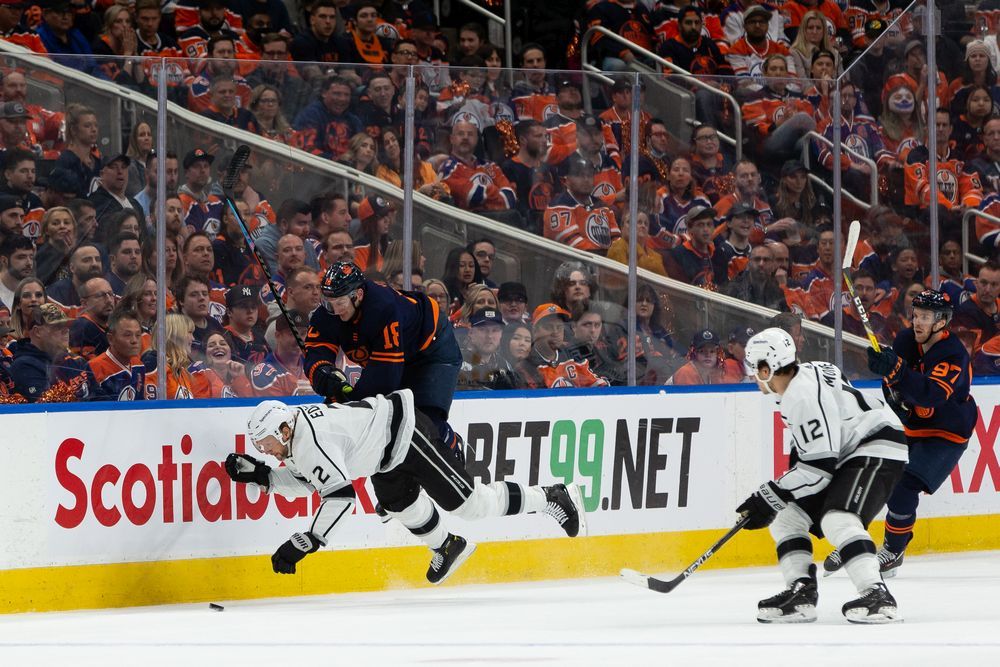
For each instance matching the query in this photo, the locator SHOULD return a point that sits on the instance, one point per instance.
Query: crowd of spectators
(76, 224)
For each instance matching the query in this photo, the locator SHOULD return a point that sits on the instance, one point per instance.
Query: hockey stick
(665, 586)
(236, 165)
(853, 234)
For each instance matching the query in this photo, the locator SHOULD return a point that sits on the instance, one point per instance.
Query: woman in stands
(676, 199)
(515, 346)
(55, 244)
(901, 316)
(496, 87)
(646, 256)
(140, 147)
(140, 298)
(460, 271)
(901, 127)
(81, 155)
(978, 70)
(119, 38)
(174, 268)
(185, 378)
(812, 36)
(360, 155)
(125, 221)
(654, 345)
(437, 290)
(967, 132)
(219, 357)
(794, 197)
(30, 292)
(265, 103)
(477, 297)
(390, 167)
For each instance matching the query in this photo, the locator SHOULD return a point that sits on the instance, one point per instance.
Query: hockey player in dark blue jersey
(926, 377)
(400, 339)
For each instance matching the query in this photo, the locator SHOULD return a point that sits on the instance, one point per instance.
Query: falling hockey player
(325, 447)
(848, 451)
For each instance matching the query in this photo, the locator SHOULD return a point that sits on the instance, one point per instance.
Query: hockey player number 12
(815, 431)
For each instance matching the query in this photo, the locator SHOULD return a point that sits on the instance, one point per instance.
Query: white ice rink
(951, 604)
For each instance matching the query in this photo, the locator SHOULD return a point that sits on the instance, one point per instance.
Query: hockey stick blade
(236, 164)
(664, 585)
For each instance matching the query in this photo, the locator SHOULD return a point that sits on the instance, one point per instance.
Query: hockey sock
(422, 519)
(795, 554)
(848, 535)
(902, 513)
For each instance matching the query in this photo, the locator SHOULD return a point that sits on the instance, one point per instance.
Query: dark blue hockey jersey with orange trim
(390, 330)
(115, 381)
(936, 385)
(87, 338)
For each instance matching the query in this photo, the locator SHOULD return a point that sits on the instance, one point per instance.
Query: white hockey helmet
(267, 419)
(772, 346)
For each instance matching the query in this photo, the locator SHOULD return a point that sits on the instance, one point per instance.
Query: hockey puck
(216, 607)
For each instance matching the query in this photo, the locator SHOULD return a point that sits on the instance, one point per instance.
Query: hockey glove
(885, 363)
(248, 470)
(762, 506)
(328, 381)
(291, 552)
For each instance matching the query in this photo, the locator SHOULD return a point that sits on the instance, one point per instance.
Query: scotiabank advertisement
(110, 486)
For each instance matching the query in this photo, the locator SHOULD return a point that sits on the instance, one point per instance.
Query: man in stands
(471, 37)
(513, 300)
(328, 124)
(64, 42)
(748, 192)
(13, 30)
(213, 23)
(561, 125)
(476, 186)
(17, 262)
(11, 217)
(222, 105)
(125, 256)
(980, 313)
(202, 210)
(275, 69)
(219, 63)
(758, 283)
(84, 264)
(362, 45)
(43, 362)
(302, 293)
(575, 217)
(146, 198)
(44, 125)
(732, 254)
(193, 299)
(14, 127)
(529, 172)
(694, 51)
(378, 110)
(749, 51)
(119, 374)
(533, 97)
(88, 335)
(109, 196)
(617, 119)
(19, 181)
(245, 340)
(431, 61)
(691, 262)
(628, 18)
(317, 44)
(483, 367)
(555, 368)
(151, 43)
(280, 374)
(294, 217)
(339, 247)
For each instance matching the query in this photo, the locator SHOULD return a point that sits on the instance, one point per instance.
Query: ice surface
(951, 604)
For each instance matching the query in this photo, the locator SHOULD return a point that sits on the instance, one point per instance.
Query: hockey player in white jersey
(848, 451)
(325, 447)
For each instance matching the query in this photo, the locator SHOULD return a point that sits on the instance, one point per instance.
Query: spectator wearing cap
(17, 262)
(735, 351)
(676, 201)
(778, 116)
(119, 374)
(85, 263)
(327, 124)
(512, 299)
(914, 62)
(630, 20)
(61, 187)
(705, 365)
(43, 362)
(317, 43)
(734, 20)
(732, 253)
(691, 262)
(758, 284)
(88, 335)
(245, 340)
(431, 62)
(647, 257)
(280, 374)
(562, 125)
(483, 367)
(575, 217)
(65, 43)
(533, 178)
(14, 127)
(549, 362)
(476, 185)
(749, 50)
(44, 126)
(19, 182)
(376, 215)
(748, 192)
(11, 217)
(978, 70)
(608, 186)
(202, 211)
(617, 118)
(14, 31)
(533, 96)
(109, 195)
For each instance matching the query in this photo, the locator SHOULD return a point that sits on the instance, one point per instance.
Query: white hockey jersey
(831, 422)
(335, 444)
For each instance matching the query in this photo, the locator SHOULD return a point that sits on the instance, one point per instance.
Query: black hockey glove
(328, 381)
(248, 470)
(291, 552)
(763, 505)
(886, 363)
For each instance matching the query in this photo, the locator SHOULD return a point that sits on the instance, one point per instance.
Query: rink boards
(116, 507)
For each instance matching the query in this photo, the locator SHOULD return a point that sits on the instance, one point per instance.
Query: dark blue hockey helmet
(933, 300)
(341, 279)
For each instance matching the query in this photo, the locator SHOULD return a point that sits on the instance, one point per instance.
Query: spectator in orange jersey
(575, 217)
(533, 97)
(232, 372)
(118, 371)
(706, 364)
(902, 128)
(376, 215)
(778, 116)
(476, 185)
(185, 378)
(746, 178)
(617, 119)
(88, 335)
(280, 374)
(12, 29)
(748, 54)
(552, 366)
(561, 125)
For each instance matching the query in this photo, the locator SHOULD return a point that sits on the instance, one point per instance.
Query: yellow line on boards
(326, 572)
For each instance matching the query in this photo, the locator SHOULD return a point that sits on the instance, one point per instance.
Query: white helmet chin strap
(767, 383)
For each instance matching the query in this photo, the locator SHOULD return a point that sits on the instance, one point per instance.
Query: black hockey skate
(876, 605)
(832, 563)
(888, 562)
(795, 604)
(448, 558)
(565, 505)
